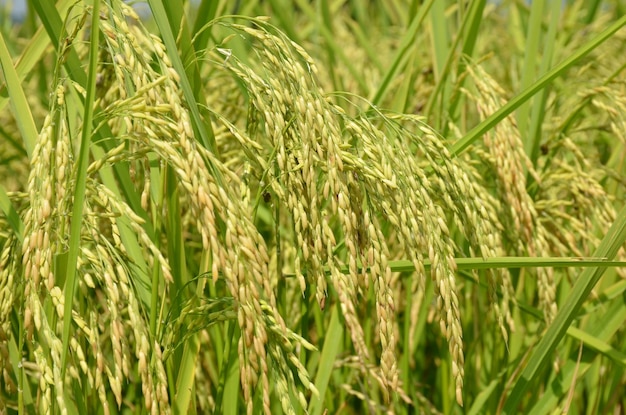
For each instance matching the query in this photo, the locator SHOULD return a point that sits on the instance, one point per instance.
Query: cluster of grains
(364, 391)
(103, 278)
(343, 177)
(8, 286)
(573, 203)
(109, 272)
(525, 234)
(154, 118)
(282, 343)
(110, 320)
(305, 132)
(473, 209)
(488, 238)
(9, 292)
(150, 117)
(350, 193)
(402, 193)
(44, 224)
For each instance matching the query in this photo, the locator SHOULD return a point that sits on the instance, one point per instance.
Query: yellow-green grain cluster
(222, 240)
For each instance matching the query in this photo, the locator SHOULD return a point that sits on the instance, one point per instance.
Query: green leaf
(476, 132)
(608, 248)
(80, 185)
(332, 347)
(19, 104)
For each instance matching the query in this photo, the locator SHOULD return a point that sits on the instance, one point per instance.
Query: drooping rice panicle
(254, 195)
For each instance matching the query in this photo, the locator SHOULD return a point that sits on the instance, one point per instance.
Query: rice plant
(313, 207)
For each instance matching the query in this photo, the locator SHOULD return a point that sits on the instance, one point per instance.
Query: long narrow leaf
(205, 131)
(12, 217)
(597, 337)
(507, 262)
(79, 190)
(332, 347)
(19, 104)
(608, 248)
(531, 53)
(525, 95)
(400, 56)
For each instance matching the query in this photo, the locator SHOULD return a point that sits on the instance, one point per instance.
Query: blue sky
(18, 10)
